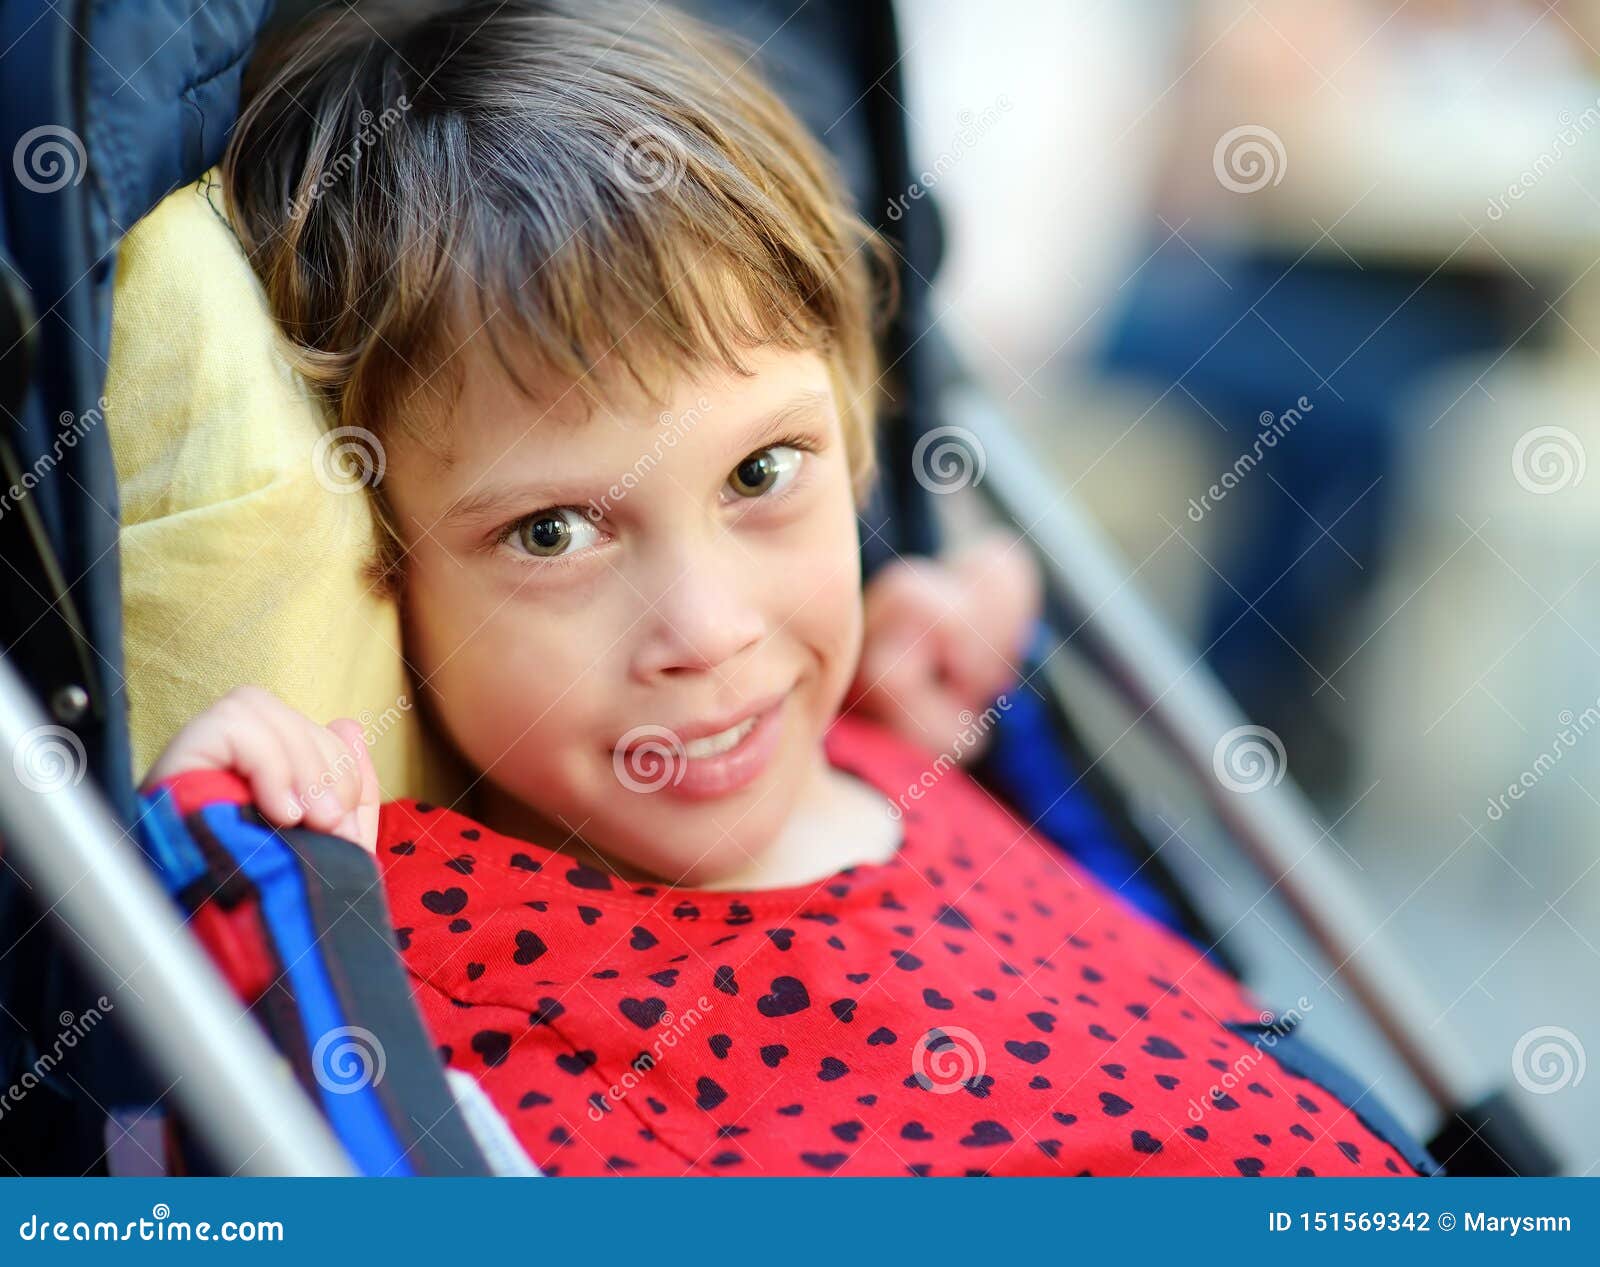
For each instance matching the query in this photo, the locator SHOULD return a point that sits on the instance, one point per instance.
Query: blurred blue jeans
(1243, 334)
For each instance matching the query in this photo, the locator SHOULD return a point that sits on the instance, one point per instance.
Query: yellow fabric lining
(239, 566)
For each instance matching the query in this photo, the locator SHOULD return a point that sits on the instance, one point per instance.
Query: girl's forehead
(501, 438)
(494, 418)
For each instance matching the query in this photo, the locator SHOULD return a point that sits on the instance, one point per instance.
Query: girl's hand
(300, 774)
(943, 639)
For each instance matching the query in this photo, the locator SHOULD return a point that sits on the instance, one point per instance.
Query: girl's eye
(766, 470)
(548, 533)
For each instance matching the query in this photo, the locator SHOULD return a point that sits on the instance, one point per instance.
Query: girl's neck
(842, 822)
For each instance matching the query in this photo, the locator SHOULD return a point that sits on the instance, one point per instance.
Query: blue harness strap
(316, 958)
(352, 1106)
(349, 907)
(177, 859)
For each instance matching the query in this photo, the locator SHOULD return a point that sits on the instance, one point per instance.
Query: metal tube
(1183, 699)
(237, 1093)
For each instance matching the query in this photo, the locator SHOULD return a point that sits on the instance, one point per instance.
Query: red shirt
(975, 1004)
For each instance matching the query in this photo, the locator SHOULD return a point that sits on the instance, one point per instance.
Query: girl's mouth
(707, 766)
(720, 764)
(715, 745)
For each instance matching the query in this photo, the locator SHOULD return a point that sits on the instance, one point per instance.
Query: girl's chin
(735, 842)
(720, 842)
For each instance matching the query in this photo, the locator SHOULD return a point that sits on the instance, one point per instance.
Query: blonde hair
(606, 191)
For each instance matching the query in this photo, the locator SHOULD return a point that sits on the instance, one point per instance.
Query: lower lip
(706, 778)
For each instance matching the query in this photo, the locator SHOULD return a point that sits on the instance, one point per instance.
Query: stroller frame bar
(239, 1096)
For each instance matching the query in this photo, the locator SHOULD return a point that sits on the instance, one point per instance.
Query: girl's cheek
(830, 611)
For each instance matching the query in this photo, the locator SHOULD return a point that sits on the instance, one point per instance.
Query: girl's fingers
(338, 785)
(1001, 599)
(327, 775)
(941, 640)
(263, 750)
(1003, 587)
(971, 662)
(310, 765)
(257, 755)
(360, 823)
(299, 773)
(904, 604)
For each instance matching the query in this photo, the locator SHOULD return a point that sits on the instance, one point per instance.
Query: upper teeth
(711, 745)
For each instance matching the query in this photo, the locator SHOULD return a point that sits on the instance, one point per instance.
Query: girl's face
(638, 628)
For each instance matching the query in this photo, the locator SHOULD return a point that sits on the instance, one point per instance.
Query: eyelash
(503, 538)
(803, 444)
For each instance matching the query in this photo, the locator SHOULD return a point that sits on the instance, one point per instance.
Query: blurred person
(1296, 300)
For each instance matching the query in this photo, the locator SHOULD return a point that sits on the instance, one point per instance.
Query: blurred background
(1301, 301)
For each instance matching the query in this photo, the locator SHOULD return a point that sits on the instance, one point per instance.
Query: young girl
(600, 299)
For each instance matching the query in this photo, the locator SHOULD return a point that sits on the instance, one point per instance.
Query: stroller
(143, 902)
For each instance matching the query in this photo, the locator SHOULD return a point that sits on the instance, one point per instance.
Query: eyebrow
(496, 499)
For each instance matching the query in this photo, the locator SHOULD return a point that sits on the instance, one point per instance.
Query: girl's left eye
(766, 471)
(549, 534)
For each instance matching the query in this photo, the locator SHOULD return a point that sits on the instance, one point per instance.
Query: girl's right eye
(548, 534)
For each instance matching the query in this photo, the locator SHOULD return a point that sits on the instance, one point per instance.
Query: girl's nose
(701, 618)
